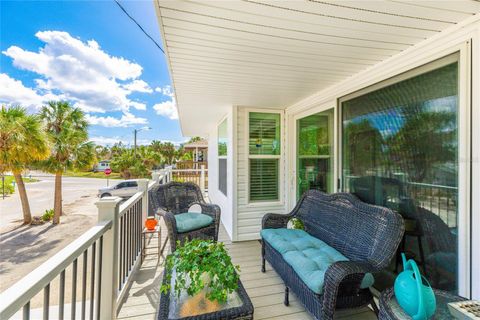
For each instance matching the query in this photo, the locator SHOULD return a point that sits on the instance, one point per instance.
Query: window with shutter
(222, 156)
(264, 156)
(222, 138)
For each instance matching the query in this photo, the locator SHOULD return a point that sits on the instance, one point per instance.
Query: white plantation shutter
(264, 156)
(264, 134)
(264, 179)
(222, 175)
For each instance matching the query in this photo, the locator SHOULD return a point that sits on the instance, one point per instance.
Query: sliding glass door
(400, 150)
(315, 152)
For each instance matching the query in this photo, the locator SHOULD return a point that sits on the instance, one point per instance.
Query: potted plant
(203, 275)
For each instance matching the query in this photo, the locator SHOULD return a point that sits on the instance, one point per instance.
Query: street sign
(108, 171)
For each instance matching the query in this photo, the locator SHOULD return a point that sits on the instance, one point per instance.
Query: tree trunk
(27, 214)
(57, 205)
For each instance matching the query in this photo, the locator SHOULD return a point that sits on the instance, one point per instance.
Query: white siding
(215, 195)
(454, 40)
(249, 216)
(274, 53)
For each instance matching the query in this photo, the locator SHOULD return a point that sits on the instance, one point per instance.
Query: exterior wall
(243, 220)
(249, 215)
(475, 222)
(215, 195)
(465, 38)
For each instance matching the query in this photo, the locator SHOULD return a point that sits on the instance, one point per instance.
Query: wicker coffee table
(242, 309)
(391, 310)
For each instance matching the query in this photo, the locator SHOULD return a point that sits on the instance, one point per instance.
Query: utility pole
(135, 131)
(135, 143)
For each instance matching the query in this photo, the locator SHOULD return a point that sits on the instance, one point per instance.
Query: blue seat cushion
(308, 256)
(189, 221)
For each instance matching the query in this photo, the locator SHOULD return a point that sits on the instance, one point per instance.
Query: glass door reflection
(315, 152)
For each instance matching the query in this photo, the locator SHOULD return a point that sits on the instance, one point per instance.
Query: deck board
(266, 290)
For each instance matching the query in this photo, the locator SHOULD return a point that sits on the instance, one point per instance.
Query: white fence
(108, 254)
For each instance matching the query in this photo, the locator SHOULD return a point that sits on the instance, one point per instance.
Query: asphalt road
(79, 194)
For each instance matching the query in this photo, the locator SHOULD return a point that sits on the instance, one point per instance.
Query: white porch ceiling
(274, 53)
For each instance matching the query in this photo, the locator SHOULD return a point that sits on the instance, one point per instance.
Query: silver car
(124, 189)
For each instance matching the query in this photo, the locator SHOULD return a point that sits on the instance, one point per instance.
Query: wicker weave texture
(367, 235)
(174, 198)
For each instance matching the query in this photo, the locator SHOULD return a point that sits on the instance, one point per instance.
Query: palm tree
(124, 163)
(67, 131)
(22, 141)
(166, 149)
(102, 153)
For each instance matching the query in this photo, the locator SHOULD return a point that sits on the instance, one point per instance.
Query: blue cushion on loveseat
(189, 221)
(308, 256)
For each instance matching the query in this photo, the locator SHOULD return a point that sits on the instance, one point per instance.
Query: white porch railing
(109, 254)
(198, 176)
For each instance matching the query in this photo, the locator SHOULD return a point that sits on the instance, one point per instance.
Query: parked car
(124, 189)
(101, 166)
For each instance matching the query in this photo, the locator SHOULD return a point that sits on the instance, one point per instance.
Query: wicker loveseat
(328, 265)
(173, 200)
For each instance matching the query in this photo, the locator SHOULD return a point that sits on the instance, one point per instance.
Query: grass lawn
(9, 179)
(91, 174)
(9, 184)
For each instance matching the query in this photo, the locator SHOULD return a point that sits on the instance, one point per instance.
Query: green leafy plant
(48, 215)
(8, 187)
(200, 264)
(297, 224)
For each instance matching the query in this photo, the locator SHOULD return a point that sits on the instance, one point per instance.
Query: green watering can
(413, 292)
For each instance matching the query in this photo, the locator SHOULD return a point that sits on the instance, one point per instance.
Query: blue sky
(90, 53)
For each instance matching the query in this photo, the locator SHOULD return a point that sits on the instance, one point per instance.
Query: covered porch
(299, 95)
(266, 290)
(378, 99)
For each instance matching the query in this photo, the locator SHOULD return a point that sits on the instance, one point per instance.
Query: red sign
(108, 171)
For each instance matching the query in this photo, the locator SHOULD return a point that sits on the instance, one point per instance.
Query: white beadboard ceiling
(274, 53)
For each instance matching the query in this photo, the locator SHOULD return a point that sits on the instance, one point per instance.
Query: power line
(141, 28)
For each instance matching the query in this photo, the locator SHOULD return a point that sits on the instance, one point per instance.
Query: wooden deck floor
(265, 289)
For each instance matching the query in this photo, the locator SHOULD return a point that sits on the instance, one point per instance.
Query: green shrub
(48, 215)
(198, 260)
(9, 189)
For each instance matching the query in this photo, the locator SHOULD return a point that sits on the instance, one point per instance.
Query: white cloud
(13, 91)
(166, 91)
(128, 141)
(107, 141)
(110, 141)
(138, 86)
(126, 120)
(85, 74)
(167, 109)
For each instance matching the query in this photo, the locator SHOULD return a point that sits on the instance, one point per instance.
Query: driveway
(79, 196)
(24, 248)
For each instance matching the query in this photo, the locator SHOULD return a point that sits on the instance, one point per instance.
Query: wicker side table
(391, 310)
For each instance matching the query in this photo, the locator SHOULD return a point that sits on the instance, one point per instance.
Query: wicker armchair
(367, 235)
(175, 198)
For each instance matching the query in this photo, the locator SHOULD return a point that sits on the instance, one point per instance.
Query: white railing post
(108, 210)
(202, 178)
(143, 187)
(170, 174)
(155, 176)
(163, 176)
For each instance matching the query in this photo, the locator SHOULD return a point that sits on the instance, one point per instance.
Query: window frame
(222, 157)
(280, 157)
(458, 53)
